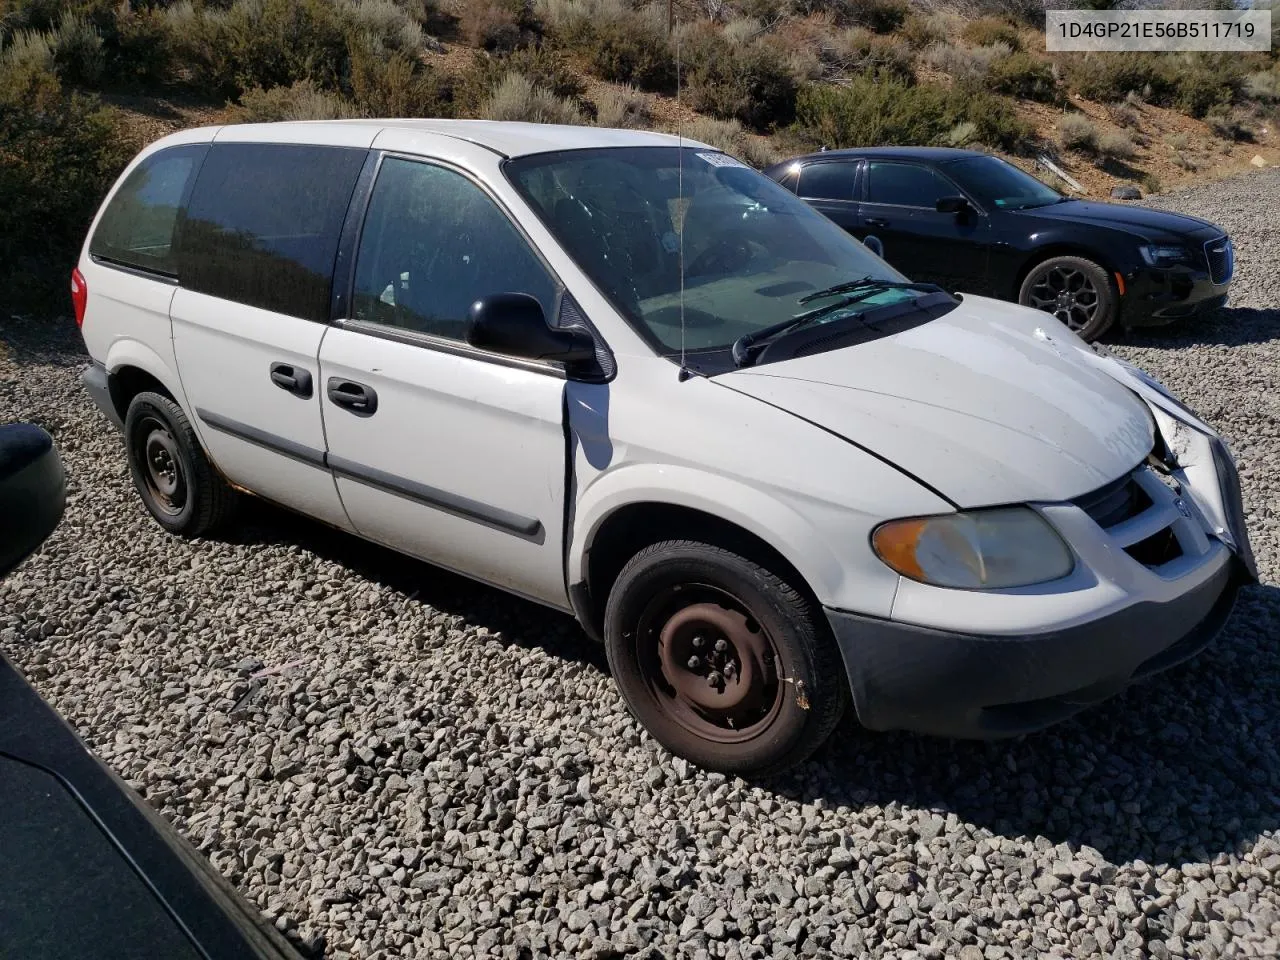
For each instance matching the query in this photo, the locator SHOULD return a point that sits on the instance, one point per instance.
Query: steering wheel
(726, 254)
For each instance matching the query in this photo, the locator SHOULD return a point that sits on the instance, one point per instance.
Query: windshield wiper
(867, 282)
(743, 350)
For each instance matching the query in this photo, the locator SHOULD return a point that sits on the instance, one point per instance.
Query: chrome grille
(1221, 259)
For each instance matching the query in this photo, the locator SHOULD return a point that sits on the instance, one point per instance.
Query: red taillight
(79, 295)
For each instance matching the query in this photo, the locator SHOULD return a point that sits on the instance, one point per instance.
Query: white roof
(507, 138)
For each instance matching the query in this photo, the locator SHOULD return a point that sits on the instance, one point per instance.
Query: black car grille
(1221, 259)
(1114, 503)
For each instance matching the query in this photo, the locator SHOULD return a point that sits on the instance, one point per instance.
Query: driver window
(433, 243)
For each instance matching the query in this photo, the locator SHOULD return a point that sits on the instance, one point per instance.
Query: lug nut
(699, 642)
(729, 671)
(714, 679)
(695, 663)
(722, 645)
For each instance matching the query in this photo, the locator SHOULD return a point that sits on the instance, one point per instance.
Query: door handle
(352, 396)
(876, 222)
(291, 378)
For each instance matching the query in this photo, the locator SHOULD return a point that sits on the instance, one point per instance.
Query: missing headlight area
(1157, 549)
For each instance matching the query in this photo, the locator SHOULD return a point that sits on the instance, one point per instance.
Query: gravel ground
(435, 769)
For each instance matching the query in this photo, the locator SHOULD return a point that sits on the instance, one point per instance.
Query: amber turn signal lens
(896, 544)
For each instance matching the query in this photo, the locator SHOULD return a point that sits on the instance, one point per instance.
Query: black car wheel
(178, 485)
(1077, 291)
(723, 661)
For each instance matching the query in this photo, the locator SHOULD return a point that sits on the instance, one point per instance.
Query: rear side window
(263, 223)
(906, 185)
(827, 181)
(137, 228)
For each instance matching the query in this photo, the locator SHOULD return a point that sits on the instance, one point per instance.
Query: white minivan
(624, 375)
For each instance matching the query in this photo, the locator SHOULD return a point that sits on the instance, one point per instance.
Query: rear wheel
(1079, 292)
(722, 660)
(177, 483)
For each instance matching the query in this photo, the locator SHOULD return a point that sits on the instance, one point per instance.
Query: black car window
(433, 243)
(905, 184)
(263, 222)
(832, 180)
(137, 227)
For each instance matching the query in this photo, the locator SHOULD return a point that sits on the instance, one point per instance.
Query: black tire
(178, 485)
(1080, 293)
(765, 701)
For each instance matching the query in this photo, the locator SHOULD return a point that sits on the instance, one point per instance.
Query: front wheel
(722, 660)
(1077, 291)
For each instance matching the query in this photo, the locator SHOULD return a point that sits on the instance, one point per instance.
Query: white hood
(992, 403)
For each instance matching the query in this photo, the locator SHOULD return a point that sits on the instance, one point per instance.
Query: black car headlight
(1164, 255)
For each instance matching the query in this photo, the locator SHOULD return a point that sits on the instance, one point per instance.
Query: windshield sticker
(721, 160)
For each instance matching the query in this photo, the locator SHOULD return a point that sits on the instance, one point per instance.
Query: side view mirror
(875, 246)
(514, 324)
(33, 492)
(952, 205)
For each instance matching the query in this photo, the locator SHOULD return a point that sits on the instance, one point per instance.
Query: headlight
(1160, 255)
(979, 550)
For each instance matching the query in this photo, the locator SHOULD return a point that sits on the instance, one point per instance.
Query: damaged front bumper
(1001, 663)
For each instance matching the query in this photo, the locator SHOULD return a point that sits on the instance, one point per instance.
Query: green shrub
(970, 64)
(77, 51)
(632, 49)
(139, 53)
(1227, 125)
(1077, 132)
(752, 84)
(624, 108)
(1263, 85)
(517, 98)
(1019, 74)
(499, 26)
(865, 112)
(1112, 76)
(395, 85)
(546, 69)
(1193, 83)
(880, 16)
(60, 153)
(1116, 145)
(302, 101)
(861, 51)
(1124, 114)
(985, 31)
(388, 22)
(920, 31)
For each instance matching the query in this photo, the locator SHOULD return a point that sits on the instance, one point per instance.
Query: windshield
(751, 249)
(999, 184)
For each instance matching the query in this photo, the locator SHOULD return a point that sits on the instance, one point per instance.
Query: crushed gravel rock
(390, 761)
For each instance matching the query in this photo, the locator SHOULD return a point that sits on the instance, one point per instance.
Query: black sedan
(974, 223)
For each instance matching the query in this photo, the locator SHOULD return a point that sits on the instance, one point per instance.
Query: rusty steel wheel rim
(709, 664)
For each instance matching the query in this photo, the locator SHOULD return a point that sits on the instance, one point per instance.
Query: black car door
(829, 186)
(898, 206)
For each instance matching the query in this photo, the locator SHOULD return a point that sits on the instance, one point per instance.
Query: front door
(948, 249)
(828, 187)
(256, 253)
(441, 450)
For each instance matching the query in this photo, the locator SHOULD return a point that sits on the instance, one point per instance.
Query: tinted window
(433, 243)
(137, 227)
(263, 222)
(1000, 184)
(906, 184)
(827, 181)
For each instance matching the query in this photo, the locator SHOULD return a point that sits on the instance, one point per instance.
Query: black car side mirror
(33, 492)
(952, 205)
(873, 244)
(514, 324)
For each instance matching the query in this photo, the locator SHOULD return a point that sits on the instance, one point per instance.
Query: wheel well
(1042, 254)
(127, 382)
(630, 529)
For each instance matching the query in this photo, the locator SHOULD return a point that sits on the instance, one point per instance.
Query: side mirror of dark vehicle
(875, 246)
(952, 205)
(33, 492)
(514, 324)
